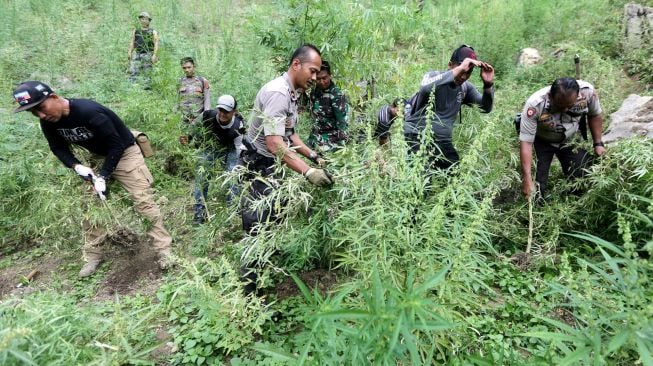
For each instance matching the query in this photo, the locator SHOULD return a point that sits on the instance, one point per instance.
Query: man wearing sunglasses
(96, 128)
(549, 122)
(438, 102)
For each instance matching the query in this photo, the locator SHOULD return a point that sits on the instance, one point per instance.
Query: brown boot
(89, 268)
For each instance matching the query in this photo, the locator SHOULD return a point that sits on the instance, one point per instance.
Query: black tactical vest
(144, 40)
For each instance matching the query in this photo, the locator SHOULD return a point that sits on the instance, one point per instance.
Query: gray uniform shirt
(274, 113)
(537, 119)
(439, 99)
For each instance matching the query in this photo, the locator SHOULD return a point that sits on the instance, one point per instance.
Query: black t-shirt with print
(93, 127)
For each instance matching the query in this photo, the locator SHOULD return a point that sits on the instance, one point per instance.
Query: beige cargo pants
(132, 173)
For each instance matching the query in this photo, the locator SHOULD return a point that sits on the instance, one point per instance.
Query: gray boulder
(634, 118)
(638, 26)
(529, 57)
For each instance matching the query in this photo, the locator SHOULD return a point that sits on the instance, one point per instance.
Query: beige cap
(145, 14)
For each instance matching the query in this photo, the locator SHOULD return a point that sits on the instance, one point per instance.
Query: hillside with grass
(389, 266)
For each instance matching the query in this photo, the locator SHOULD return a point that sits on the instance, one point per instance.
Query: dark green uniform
(329, 111)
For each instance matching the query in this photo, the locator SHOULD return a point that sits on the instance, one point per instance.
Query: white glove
(319, 177)
(84, 171)
(100, 186)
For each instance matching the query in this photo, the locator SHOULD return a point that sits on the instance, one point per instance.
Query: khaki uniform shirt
(274, 113)
(556, 128)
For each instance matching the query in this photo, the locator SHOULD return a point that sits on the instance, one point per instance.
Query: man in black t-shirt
(96, 128)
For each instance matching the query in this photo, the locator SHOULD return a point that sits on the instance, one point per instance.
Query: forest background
(376, 270)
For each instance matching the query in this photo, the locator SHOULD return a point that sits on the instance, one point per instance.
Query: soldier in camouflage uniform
(194, 92)
(549, 122)
(143, 47)
(329, 111)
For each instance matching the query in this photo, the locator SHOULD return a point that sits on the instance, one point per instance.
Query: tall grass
(51, 329)
(386, 225)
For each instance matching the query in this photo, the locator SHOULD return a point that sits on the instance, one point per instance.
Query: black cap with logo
(30, 94)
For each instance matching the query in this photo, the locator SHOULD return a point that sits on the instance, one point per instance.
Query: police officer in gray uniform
(438, 102)
(273, 138)
(272, 130)
(549, 122)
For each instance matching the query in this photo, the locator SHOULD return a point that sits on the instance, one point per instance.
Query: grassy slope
(364, 228)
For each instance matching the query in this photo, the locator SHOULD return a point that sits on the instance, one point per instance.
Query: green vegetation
(424, 275)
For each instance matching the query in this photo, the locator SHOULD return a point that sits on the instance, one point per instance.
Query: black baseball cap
(31, 93)
(461, 53)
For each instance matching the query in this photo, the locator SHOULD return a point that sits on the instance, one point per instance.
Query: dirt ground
(133, 266)
(12, 276)
(130, 267)
(322, 279)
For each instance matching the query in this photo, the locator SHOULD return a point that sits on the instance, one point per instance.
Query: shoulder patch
(530, 112)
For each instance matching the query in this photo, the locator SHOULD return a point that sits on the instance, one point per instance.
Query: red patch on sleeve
(530, 112)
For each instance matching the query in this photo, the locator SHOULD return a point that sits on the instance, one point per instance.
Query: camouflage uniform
(329, 112)
(553, 133)
(141, 60)
(194, 97)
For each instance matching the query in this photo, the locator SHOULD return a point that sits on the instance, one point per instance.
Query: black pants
(573, 160)
(442, 154)
(257, 165)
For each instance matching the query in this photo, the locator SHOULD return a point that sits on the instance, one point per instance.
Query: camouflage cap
(145, 14)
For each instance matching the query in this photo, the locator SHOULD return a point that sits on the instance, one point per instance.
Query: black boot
(249, 278)
(200, 216)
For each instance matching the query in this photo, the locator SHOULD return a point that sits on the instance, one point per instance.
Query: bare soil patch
(134, 267)
(162, 354)
(47, 268)
(19, 245)
(564, 315)
(321, 279)
(176, 166)
(523, 261)
(506, 196)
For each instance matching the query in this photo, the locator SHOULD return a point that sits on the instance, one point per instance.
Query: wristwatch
(600, 143)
